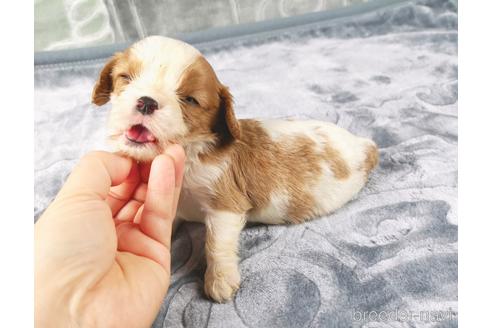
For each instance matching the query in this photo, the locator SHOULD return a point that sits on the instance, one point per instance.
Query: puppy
(163, 91)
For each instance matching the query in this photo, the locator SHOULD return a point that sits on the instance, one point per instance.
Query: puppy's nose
(146, 105)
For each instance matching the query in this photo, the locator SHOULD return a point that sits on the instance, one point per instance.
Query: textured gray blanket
(390, 75)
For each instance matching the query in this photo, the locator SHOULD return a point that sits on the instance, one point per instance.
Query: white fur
(197, 182)
(275, 211)
(161, 53)
(222, 277)
(331, 193)
(280, 129)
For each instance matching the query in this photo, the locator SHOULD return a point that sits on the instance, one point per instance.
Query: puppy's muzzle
(147, 105)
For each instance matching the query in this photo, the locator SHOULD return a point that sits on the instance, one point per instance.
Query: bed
(386, 70)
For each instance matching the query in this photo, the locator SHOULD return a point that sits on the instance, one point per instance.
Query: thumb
(96, 173)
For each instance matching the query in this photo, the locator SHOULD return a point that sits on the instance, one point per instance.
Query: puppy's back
(296, 170)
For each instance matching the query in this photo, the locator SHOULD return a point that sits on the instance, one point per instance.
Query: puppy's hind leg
(222, 277)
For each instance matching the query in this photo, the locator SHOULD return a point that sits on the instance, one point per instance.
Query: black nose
(146, 105)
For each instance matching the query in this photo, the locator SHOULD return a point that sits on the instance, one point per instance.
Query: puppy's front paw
(221, 282)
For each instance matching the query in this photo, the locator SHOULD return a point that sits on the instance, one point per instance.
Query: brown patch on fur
(214, 112)
(372, 159)
(227, 113)
(259, 166)
(300, 207)
(104, 85)
(338, 165)
(114, 76)
(200, 82)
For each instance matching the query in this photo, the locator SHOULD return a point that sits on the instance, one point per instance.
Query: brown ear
(104, 85)
(227, 114)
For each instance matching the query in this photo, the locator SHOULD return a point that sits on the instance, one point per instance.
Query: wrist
(51, 309)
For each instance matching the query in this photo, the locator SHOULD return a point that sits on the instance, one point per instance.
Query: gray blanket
(390, 75)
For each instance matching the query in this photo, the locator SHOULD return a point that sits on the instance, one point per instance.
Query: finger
(178, 155)
(120, 195)
(128, 212)
(131, 211)
(138, 216)
(96, 173)
(157, 215)
(140, 193)
(132, 239)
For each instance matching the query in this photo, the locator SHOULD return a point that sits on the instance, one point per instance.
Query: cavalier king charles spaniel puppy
(163, 91)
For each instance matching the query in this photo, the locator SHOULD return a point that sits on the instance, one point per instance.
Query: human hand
(102, 248)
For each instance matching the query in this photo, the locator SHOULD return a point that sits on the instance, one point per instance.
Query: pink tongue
(139, 133)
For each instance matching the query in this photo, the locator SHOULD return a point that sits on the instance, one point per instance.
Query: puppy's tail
(372, 157)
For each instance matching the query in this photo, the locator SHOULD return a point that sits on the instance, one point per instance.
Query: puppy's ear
(227, 119)
(104, 85)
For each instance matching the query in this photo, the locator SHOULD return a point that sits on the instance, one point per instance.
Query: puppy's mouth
(139, 134)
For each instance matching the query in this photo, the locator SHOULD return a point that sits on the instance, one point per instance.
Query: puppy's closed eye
(190, 101)
(124, 77)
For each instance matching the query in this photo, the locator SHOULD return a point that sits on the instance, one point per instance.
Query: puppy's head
(163, 91)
